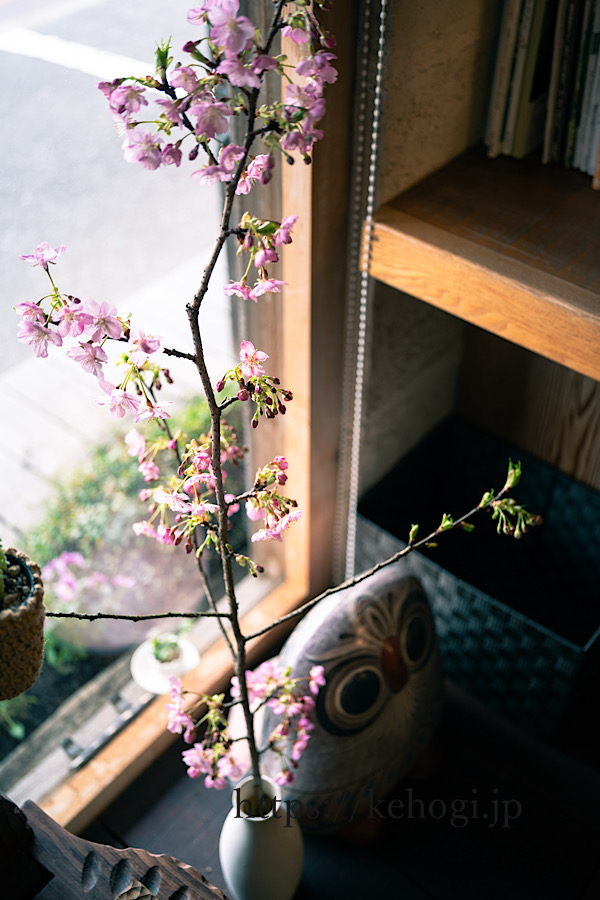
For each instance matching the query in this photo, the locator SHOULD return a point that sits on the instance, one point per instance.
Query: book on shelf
(533, 99)
(546, 84)
(596, 174)
(583, 136)
(559, 31)
(564, 61)
(518, 71)
(578, 82)
(509, 28)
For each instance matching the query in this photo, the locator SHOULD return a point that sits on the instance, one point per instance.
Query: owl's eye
(417, 632)
(359, 692)
(352, 697)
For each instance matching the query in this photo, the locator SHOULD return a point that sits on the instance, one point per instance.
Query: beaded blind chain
(359, 291)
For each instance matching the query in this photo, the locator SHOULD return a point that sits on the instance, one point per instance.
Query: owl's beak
(392, 663)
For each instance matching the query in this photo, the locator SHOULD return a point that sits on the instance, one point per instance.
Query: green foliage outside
(93, 508)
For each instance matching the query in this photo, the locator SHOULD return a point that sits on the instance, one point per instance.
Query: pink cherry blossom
(264, 256)
(202, 460)
(35, 333)
(300, 746)
(240, 288)
(317, 679)
(199, 760)
(127, 98)
(266, 286)
(153, 411)
(318, 66)
(119, 403)
(297, 34)
(231, 33)
(286, 776)
(237, 73)
(43, 255)
(145, 528)
(256, 170)
(217, 783)
(142, 345)
(171, 155)
(254, 511)
(228, 768)
(283, 234)
(136, 443)
(274, 527)
(142, 146)
(103, 320)
(197, 15)
(264, 63)
(90, 357)
(180, 722)
(149, 469)
(251, 359)
(228, 159)
(73, 320)
(170, 109)
(210, 115)
(203, 509)
(176, 502)
(165, 535)
(30, 311)
(184, 77)
(230, 156)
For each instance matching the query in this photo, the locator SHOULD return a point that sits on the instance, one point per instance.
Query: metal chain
(358, 303)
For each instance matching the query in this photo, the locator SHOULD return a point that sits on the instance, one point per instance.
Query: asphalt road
(63, 178)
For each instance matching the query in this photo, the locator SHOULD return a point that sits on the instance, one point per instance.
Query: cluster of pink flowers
(269, 685)
(86, 326)
(68, 574)
(253, 384)
(194, 104)
(267, 505)
(262, 240)
(190, 496)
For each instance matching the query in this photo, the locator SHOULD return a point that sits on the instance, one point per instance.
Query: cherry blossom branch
(199, 102)
(497, 504)
(145, 617)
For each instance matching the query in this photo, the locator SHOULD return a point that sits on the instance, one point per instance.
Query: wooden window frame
(311, 324)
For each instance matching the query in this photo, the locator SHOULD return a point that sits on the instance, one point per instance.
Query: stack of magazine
(546, 86)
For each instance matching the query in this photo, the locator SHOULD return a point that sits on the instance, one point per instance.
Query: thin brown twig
(356, 579)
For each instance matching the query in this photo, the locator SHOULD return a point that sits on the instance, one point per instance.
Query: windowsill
(74, 796)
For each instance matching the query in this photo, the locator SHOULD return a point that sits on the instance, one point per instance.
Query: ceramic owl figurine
(381, 703)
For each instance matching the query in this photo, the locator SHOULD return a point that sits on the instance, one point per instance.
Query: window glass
(134, 238)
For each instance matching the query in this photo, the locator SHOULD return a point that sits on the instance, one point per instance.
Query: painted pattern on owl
(381, 703)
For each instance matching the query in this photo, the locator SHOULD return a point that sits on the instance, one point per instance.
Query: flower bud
(514, 475)
(194, 152)
(243, 395)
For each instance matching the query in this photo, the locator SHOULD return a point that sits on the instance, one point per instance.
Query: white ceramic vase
(261, 856)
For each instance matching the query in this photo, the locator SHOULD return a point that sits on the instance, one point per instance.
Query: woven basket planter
(21, 629)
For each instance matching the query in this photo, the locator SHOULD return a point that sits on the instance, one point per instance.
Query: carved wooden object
(39, 859)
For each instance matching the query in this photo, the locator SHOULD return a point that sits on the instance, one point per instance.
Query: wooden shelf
(510, 246)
